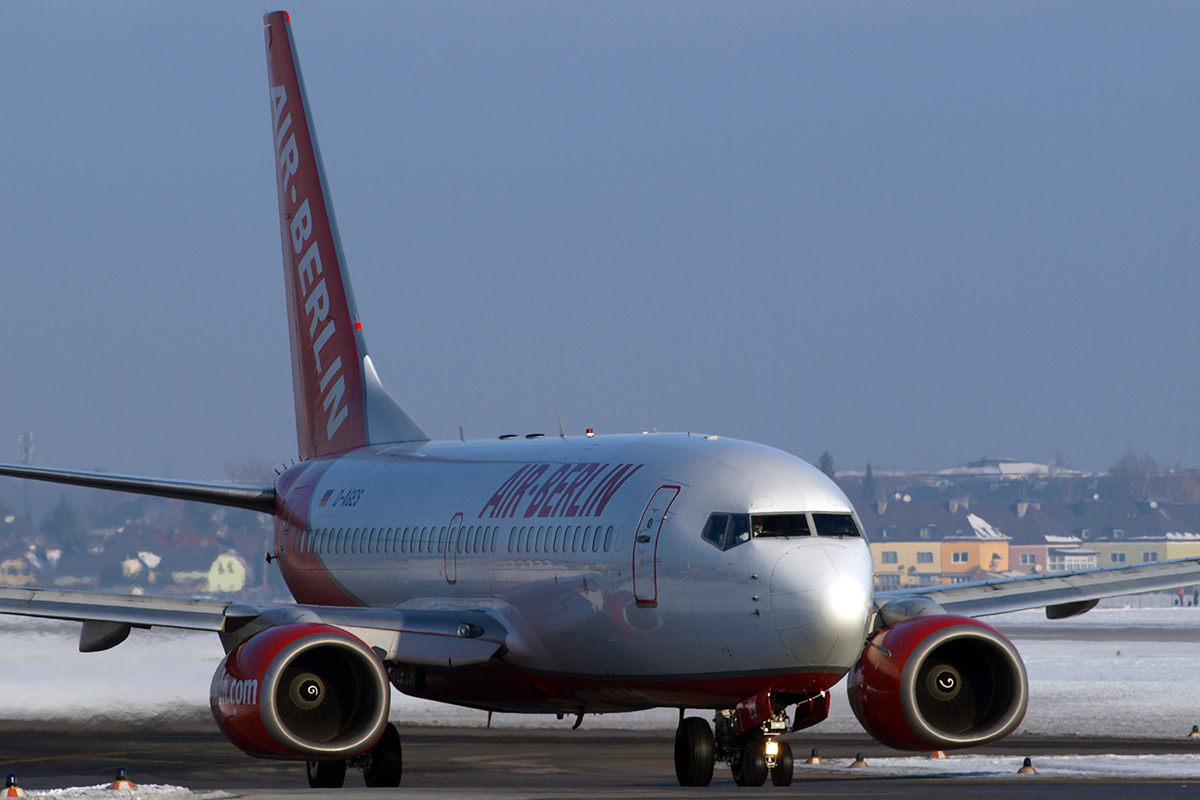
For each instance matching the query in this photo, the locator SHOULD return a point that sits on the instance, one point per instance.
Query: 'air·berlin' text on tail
(340, 402)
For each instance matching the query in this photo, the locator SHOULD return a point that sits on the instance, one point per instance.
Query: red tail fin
(339, 401)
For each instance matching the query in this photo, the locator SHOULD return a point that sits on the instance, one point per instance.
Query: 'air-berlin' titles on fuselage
(316, 295)
(573, 490)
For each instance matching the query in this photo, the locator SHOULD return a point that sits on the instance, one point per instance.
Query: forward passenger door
(645, 545)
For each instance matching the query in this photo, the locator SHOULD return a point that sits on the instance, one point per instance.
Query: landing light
(772, 748)
(844, 600)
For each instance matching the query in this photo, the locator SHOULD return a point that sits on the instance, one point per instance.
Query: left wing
(255, 498)
(1062, 594)
(448, 637)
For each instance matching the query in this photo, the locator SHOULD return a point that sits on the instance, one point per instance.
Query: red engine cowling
(303, 690)
(937, 683)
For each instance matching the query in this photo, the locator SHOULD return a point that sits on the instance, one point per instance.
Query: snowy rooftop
(983, 529)
(1006, 468)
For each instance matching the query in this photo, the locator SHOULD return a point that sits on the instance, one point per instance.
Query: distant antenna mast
(25, 454)
(561, 430)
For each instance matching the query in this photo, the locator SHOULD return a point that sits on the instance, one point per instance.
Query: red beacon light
(590, 433)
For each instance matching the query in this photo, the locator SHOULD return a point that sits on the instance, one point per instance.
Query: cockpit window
(839, 525)
(739, 529)
(714, 530)
(780, 525)
(727, 530)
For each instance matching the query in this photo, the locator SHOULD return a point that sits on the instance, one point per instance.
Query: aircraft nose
(821, 599)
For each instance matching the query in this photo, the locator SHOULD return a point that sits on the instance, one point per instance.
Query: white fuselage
(590, 550)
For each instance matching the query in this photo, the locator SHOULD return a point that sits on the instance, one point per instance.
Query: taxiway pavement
(448, 763)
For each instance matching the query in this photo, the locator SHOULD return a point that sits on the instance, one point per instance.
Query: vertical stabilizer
(340, 402)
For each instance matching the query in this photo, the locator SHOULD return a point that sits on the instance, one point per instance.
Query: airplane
(570, 575)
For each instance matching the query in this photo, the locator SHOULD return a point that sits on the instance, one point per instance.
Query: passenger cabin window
(840, 525)
(727, 530)
(779, 525)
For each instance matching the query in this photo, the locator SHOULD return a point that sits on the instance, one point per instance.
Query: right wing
(426, 637)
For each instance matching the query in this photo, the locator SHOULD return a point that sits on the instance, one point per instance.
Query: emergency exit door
(645, 545)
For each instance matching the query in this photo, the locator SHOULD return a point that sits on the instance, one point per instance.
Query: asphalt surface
(451, 763)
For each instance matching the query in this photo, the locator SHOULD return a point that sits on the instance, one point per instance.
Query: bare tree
(868, 491)
(1134, 473)
(257, 471)
(825, 464)
(62, 526)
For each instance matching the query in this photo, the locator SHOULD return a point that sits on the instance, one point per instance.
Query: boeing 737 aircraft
(565, 575)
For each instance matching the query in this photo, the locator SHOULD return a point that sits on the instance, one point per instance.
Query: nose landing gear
(752, 756)
(781, 764)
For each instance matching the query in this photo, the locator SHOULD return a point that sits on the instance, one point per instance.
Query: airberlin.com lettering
(571, 490)
(231, 691)
(309, 280)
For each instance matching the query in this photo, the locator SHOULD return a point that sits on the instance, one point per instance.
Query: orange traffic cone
(122, 780)
(937, 754)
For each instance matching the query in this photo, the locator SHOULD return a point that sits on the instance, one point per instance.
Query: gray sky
(911, 234)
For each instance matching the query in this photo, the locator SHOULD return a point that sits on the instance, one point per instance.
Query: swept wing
(430, 637)
(255, 498)
(1062, 594)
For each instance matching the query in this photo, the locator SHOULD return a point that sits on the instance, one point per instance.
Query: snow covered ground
(1076, 687)
(1108, 615)
(971, 766)
(140, 792)
(1179, 767)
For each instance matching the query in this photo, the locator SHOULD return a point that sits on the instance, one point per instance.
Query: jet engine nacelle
(937, 683)
(303, 690)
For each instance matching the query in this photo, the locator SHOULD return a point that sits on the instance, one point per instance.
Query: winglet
(340, 402)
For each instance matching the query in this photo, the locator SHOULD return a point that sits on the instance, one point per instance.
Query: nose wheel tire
(695, 752)
(781, 773)
(327, 774)
(385, 761)
(752, 769)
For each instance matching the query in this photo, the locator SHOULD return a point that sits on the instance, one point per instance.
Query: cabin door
(645, 545)
(450, 556)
